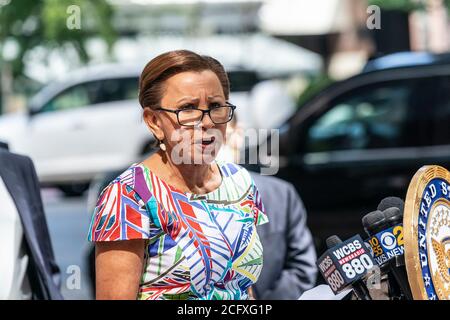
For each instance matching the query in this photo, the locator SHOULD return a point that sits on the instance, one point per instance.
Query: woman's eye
(188, 106)
(214, 105)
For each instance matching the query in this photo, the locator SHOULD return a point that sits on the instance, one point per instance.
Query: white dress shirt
(14, 284)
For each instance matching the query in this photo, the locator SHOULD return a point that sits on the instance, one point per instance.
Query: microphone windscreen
(372, 218)
(390, 202)
(392, 213)
(332, 241)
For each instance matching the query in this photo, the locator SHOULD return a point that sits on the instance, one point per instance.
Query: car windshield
(242, 80)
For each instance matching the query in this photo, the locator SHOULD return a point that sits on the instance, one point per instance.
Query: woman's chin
(203, 154)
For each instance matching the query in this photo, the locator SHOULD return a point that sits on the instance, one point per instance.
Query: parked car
(91, 123)
(363, 138)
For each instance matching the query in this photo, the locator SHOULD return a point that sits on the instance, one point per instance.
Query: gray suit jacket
(20, 178)
(289, 255)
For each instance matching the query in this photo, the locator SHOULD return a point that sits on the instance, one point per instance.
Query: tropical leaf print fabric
(197, 246)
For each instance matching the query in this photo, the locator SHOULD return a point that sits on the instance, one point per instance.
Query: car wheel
(74, 189)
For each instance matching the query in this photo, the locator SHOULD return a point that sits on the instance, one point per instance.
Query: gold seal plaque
(426, 228)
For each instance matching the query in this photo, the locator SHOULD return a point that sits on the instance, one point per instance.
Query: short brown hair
(162, 67)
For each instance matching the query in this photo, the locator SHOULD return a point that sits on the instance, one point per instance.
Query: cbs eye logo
(390, 240)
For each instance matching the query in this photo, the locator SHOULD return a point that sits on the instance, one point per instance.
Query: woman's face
(189, 90)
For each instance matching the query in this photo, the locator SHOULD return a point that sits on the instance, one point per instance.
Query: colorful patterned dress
(197, 246)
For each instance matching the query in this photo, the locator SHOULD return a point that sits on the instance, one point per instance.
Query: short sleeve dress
(197, 246)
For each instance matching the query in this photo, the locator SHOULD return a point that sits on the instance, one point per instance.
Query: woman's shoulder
(134, 178)
(121, 211)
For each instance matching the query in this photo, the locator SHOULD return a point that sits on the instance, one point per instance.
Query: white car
(89, 124)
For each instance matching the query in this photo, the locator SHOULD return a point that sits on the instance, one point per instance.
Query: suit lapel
(17, 190)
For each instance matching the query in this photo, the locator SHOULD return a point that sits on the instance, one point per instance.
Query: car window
(93, 93)
(118, 90)
(441, 117)
(241, 81)
(377, 116)
(71, 98)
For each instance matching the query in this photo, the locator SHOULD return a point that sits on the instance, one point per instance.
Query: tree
(28, 24)
(400, 5)
(404, 5)
(395, 15)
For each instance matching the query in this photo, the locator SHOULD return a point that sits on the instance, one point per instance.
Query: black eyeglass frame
(232, 106)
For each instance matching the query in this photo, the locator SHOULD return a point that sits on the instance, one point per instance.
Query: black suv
(362, 139)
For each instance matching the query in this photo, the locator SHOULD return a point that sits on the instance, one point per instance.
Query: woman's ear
(153, 123)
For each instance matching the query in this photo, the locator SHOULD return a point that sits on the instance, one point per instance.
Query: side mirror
(32, 111)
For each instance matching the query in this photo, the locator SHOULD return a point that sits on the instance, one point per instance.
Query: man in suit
(289, 255)
(289, 267)
(28, 269)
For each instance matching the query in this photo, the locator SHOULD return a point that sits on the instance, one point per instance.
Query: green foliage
(402, 5)
(45, 23)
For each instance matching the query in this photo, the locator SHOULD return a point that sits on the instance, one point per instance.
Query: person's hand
(251, 294)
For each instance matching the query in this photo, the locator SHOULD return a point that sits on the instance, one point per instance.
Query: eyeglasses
(191, 116)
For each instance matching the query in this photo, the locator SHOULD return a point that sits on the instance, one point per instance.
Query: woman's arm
(118, 268)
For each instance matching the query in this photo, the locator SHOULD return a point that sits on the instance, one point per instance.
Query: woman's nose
(206, 121)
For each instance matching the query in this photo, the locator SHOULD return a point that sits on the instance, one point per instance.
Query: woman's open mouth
(206, 141)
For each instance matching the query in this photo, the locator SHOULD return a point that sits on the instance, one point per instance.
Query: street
(68, 222)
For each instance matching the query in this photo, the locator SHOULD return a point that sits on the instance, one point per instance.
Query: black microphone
(344, 265)
(393, 208)
(373, 223)
(397, 265)
(385, 229)
(391, 202)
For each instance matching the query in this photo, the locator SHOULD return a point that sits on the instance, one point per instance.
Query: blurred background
(359, 90)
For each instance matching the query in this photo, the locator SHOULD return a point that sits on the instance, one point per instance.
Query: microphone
(373, 223)
(389, 205)
(391, 202)
(397, 265)
(344, 265)
(385, 229)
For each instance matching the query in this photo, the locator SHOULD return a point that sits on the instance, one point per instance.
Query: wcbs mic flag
(345, 263)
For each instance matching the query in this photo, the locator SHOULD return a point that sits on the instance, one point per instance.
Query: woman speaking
(180, 224)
